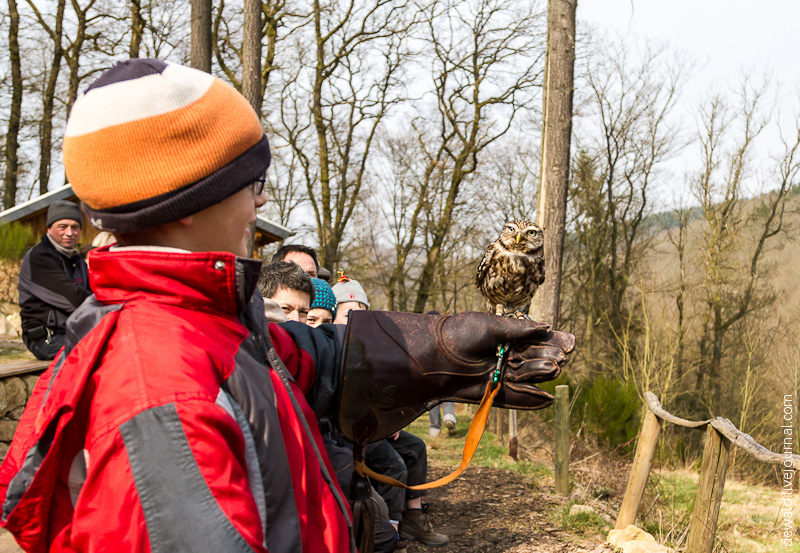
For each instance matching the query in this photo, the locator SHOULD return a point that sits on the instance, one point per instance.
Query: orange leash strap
(470, 445)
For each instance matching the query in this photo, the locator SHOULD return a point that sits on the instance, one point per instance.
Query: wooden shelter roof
(34, 214)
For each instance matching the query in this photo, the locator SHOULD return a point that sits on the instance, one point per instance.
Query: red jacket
(161, 427)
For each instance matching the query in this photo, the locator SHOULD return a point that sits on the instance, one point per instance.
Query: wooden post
(703, 524)
(561, 450)
(512, 435)
(640, 471)
(551, 215)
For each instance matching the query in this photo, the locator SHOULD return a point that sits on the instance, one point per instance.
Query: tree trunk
(251, 72)
(46, 126)
(200, 55)
(12, 136)
(251, 54)
(73, 53)
(556, 136)
(137, 28)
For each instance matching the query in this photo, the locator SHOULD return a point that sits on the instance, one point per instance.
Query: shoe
(450, 424)
(401, 545)
(434, 432)
(415, 526)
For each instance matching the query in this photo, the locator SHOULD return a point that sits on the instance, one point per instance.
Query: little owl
(512, 269)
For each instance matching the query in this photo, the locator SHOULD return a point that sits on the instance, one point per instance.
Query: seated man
(53, 281)
(176, 418)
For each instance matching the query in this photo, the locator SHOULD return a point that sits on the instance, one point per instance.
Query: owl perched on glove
(512, 269)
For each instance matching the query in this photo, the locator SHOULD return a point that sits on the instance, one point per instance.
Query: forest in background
(405, 134)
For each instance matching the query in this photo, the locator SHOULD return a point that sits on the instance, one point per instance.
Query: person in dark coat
(53, 281)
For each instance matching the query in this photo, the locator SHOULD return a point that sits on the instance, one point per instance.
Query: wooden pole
(200, 48)
(561, 450)
(640, 471)
(556, 137)
(251, 73)
(703, 524)
(512, 433)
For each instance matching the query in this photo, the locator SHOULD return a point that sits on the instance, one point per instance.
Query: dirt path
(499, 511)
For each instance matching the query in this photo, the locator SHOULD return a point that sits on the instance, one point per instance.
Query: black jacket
(51, 286)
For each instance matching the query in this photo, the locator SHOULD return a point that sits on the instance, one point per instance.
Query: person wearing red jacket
(176, 418)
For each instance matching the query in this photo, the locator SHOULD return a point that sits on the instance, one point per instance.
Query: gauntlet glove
(398, 365)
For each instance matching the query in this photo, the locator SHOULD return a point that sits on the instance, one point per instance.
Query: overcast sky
(725, 38)
(723, 35)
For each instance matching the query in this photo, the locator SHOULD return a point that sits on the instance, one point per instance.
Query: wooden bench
(22, 366)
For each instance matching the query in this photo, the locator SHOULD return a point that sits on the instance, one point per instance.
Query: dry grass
(748, 516)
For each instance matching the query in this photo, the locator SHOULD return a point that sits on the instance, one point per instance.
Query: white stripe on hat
(123, 102)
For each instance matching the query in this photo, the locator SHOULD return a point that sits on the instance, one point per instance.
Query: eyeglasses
(258, 185)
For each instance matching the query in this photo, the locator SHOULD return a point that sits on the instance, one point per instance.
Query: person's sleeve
(175, 478)
(313, 357)
(51, 284)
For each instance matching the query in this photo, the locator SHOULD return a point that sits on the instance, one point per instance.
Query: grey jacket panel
(251, 458)
(82, 321)
(251, 388)
(179, 509)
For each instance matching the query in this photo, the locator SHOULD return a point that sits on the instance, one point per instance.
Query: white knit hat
(347, 289)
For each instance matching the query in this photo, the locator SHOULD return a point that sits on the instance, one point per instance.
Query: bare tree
(251, 54)
(167, 30)
(624, 135)
(49, 94)
(678, 236)
(201, 35)
(137, 28)
(405, 181)
(354, 52)
(486, 59)
(229, 24)
(15, 111)
(556, 139)
(75, 46)
(736, 236)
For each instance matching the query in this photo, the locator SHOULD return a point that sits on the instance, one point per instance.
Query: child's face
(294, 303)
(319, 316)
(343, 311)
(225, 226)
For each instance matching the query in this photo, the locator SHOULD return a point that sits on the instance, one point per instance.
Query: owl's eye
(532, 233)
(509, 229)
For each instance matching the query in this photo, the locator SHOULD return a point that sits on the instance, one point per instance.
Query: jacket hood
(216, 281)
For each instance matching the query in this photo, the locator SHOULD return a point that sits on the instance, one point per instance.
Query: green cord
(501, 350)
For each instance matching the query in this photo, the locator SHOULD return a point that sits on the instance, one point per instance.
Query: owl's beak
(519, 235)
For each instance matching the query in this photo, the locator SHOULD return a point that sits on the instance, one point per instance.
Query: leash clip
(498, 371)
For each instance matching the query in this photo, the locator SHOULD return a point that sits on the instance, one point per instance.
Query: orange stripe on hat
(141, 159)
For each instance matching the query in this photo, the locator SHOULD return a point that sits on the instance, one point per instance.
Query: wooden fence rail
(721, 434)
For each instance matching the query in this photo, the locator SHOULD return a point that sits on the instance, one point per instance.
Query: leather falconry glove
(398, 365)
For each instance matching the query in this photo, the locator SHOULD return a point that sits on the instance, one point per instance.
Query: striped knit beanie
(151, 142)
(323, 297)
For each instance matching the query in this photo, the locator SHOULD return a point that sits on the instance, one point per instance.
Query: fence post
(703, 524)
(561, 450)
(640, 471)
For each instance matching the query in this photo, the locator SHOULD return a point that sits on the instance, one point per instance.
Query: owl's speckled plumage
(512, 268)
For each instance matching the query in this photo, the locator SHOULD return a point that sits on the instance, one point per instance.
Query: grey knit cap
(348, 289)
(62, 209)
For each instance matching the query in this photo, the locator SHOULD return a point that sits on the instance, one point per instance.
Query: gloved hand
(398, 365)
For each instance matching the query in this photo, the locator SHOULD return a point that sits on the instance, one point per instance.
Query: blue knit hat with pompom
(323, 297)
